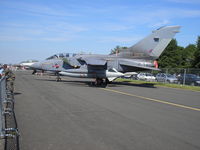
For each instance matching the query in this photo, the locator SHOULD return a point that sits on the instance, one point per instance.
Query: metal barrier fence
(8, 125)
(188, 76)
(177, 71)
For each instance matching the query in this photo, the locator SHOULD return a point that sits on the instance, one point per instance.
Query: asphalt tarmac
(71, 115)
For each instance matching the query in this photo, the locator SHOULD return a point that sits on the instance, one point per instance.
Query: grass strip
(170, 85)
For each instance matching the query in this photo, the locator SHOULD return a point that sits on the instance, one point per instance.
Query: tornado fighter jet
(106, 68)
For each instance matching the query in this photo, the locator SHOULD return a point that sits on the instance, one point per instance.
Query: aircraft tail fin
(153, 45)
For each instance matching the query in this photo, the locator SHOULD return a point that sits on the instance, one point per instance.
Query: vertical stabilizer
(154, 44)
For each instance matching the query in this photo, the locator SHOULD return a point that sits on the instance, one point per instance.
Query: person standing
(1, 71)
(10, 77)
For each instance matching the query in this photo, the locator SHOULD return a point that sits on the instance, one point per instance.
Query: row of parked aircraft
(106, 68)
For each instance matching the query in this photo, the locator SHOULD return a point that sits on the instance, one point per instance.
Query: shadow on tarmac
(17, 93)
(145, 85)
(72, 82)
(113, 84)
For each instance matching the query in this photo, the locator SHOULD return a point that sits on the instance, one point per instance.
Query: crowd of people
(9, 75)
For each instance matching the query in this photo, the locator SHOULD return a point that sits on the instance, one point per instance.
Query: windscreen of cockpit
(52, 57)
(61, 55)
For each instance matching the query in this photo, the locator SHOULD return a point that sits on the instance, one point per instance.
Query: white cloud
(161, 23)
(52, 38)
(14, 38)
(114, 27)
(119, 39)
(49, 31)
(58, 38)
(34, 9)
(185, 1)
(189, 13)
(158, 17)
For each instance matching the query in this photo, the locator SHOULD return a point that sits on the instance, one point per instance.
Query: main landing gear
(100, 82)
(58, 78)
(34, 71)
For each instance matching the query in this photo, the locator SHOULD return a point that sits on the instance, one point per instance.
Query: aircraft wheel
(34, 71)
(107, 81)
(58, 79)
(99, 82)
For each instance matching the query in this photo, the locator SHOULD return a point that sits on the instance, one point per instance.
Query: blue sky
(36, 29)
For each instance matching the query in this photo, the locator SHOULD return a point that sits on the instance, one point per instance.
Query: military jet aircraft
(139, 57)
(26, 64)
(65, 61)
(106, 68)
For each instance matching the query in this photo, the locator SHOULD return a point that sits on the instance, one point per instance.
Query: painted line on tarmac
(152, 99)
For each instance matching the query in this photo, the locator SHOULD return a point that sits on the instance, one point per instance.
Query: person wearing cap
(10, 77)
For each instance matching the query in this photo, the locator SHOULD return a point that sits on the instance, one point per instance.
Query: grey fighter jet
(139, 57)
(67, 61)
(106, 68)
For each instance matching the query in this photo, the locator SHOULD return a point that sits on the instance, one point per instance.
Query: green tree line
(175, 56)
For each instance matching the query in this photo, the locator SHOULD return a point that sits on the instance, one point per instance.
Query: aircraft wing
(137, 67)
(95, 61)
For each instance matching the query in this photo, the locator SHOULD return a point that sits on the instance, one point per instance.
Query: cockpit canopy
(61, 55)
(29, 61)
